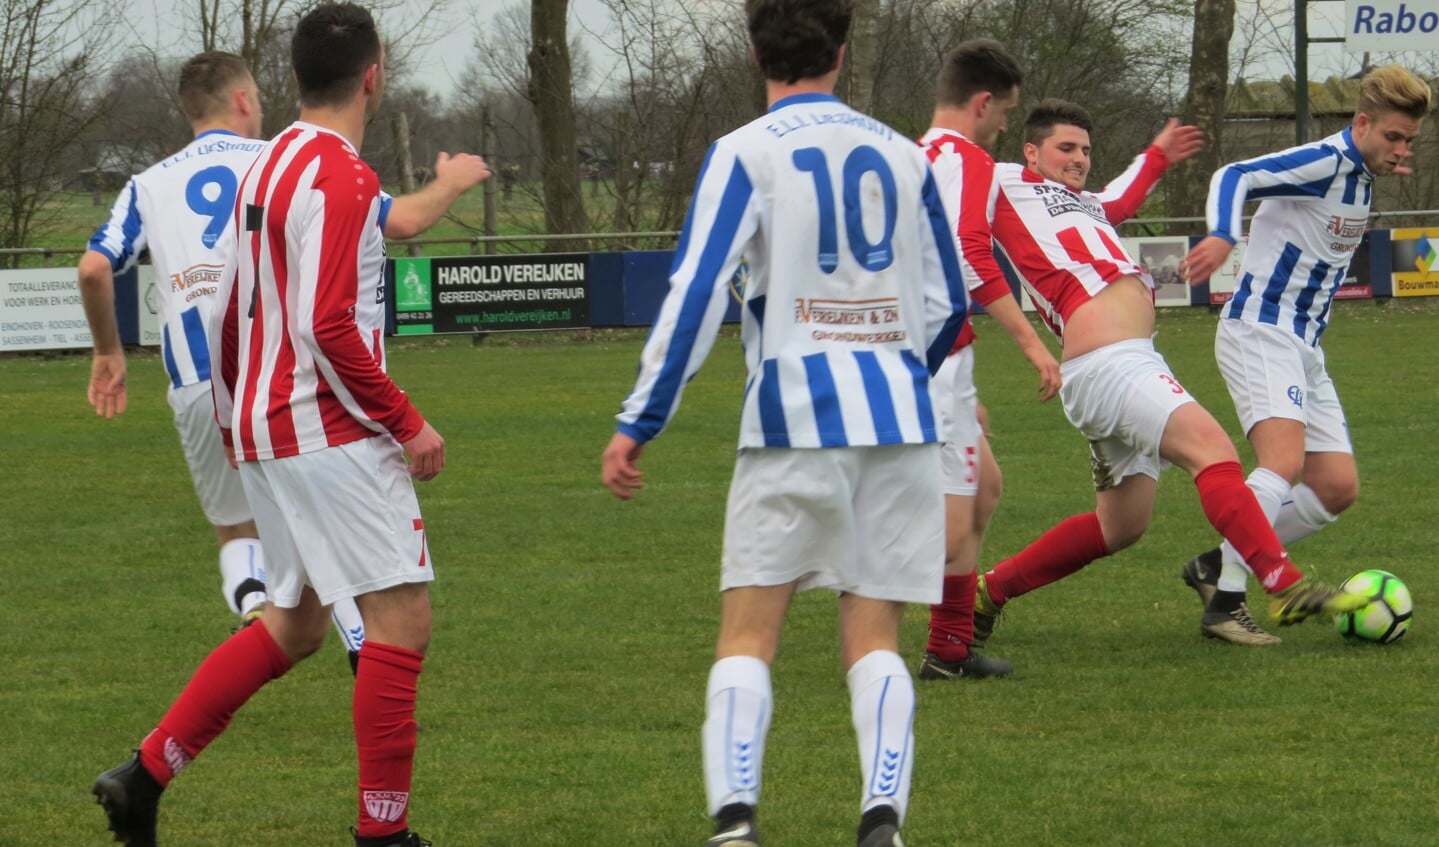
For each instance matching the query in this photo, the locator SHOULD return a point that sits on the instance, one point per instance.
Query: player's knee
(299, 643)
(1121, 531)
(1122, 537)
(1336, 495)
(1197, 446)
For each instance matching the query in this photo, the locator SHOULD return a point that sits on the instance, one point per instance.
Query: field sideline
(562, 697)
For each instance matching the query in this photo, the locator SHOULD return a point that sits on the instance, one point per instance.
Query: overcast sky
(441, 65)
(161, 25)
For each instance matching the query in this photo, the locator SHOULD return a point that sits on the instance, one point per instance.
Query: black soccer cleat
(1201, 573)
(403, 838)
(131, 799)
(879, 827)
(973, 666)
(734, 827)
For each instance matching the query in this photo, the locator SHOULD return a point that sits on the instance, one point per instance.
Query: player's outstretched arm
(426, 453)
(1205, 259)
(413, 213)
(618, 469)
(107, 367)
(1178, 143)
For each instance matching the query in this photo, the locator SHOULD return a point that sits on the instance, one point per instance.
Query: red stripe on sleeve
(348, 195)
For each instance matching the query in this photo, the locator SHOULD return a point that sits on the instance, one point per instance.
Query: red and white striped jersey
(964, 173)
(1063, 242)
(302, 362)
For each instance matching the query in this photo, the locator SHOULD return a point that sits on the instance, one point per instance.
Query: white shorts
(343, 520)
(862, 520)
(216, 483)
(958, 401)
(1121, 396)
(1274, 374)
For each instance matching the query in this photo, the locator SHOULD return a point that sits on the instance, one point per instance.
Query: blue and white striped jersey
(182, 208)
(854, 293)
(1314, 204)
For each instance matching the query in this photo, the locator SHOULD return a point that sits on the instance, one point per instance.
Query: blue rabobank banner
(1388, 25)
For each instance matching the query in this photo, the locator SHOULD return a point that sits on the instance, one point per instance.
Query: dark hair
(206, 79)
(977, 66)
(797, 39)
(1051, 113)
(333, 45)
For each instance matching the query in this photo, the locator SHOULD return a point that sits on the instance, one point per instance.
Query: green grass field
(562, 697)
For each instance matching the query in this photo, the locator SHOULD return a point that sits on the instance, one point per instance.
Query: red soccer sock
(384, 711)
(951, 620)
(1070, 545)
(1233, 510)
(228, 677)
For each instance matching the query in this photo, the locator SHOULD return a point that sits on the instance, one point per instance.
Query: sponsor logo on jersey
(1296, 396)
(1059, 200)
(197, 281)
(386, 806)
(1347, 227)
(881, 315)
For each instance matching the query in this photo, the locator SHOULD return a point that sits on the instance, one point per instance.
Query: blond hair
(1393, 88)
(206, 80)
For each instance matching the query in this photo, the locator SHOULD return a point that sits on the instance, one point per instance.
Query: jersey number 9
(220, 208)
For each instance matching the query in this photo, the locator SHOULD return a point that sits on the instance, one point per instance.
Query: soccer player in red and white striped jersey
(327, 444)
(978, 86)
(1118, 391)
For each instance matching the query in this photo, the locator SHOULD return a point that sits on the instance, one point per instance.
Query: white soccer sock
(241, 560)
(881, 697)
(1270, 489)
(1301, 515)
(738, 703)
(349, 624)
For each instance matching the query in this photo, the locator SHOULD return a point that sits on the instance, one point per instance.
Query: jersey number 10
(861, 160)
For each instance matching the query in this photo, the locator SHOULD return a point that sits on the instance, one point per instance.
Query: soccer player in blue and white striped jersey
(854, 298)
(181, 211)
(1313, 210)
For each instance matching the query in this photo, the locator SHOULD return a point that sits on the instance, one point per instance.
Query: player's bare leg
(882, 707)
(1125, 510)
(950, 651)
(738, 704)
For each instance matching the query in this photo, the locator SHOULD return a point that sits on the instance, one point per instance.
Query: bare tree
(550, 90)
(863, 53)
(46, 79)
(1204, 104)
(259, 31)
